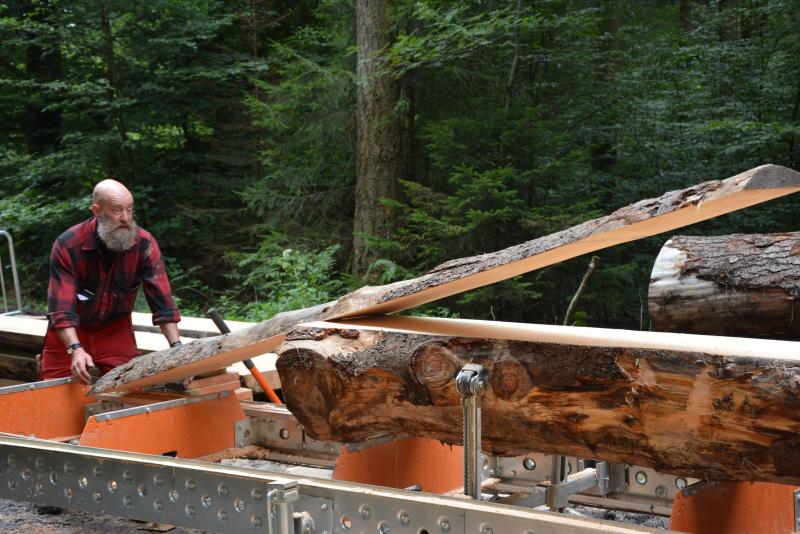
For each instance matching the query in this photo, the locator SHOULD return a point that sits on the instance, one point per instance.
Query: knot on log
(433, 365)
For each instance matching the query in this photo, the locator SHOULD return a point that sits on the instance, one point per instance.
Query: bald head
(110, 191)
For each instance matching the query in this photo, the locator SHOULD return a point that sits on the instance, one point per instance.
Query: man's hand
(81, 363)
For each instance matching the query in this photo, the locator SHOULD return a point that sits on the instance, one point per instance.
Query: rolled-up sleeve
(156, 287)
(61, 289)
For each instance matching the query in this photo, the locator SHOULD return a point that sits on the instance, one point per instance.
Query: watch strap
(72, 348)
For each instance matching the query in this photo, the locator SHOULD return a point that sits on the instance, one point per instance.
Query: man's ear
(95, 209)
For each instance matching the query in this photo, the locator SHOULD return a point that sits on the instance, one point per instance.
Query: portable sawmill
(401, 424)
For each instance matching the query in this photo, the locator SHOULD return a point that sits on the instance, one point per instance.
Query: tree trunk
(704, 413)
(645, 218)
(378, 156)
(743, 285)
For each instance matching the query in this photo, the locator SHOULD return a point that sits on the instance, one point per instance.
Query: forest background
(284, 152)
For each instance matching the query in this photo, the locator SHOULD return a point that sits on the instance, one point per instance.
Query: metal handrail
(17, 290)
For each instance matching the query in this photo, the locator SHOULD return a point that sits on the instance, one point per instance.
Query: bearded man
(96, 268)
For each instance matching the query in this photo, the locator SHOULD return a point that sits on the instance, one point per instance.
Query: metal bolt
(383, 528)
(127, 476)
(239, 505)
(189, 510)
(284, 433)
(12, 484)
(40, 464)
(127, 500)
(680, 483)
(641, 477)
(174, 495)
(54, 478)
(661, 491)
(486, 529)
(255, 521)
(512, 473)
(222, 489)
(69, 467)
(444, 524)
(25, 474)
(324, 506)
(83, 482)
(97, 472)
(206, 501)
(257, 495)
(191, 485)
(364, 511)
(158, 480)
(222, 516)
(141, 490)
(404, 518)
(97, 496)
(158, 506)
(68, 493)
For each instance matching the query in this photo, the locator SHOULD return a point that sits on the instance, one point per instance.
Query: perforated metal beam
(232, 499)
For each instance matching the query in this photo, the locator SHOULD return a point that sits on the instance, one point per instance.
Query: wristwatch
(72, 348)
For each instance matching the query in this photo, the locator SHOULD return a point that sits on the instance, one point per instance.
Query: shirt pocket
(125, 288)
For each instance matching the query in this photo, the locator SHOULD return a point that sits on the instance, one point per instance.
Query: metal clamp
(470, 383)
(280, 496)
(563, 484)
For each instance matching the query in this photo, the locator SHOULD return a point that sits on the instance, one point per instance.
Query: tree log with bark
(700, 406)
(642, 219)
(742, 285)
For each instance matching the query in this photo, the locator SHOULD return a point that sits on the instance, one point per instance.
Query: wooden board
(645, 218)
(691, 405)
(741, 284)
(27, 333)
(193, 327)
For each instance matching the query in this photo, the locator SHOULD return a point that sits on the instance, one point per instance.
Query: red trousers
(109, 346)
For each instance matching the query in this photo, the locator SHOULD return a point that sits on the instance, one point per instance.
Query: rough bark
(378, 152)
(642, 219)
(692, 413)
(742, 285)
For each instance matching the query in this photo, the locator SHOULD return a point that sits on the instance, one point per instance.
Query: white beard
(117, 239)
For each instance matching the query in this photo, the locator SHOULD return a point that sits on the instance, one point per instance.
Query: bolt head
(444, 524)
(486, 529)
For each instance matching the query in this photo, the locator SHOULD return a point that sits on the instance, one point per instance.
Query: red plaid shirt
(83, 292)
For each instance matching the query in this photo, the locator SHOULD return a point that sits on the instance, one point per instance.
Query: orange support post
(736, 507)
(187, 428)
(48, 409)
(437, 467)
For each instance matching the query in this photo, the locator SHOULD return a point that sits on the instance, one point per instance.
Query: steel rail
(233, 499)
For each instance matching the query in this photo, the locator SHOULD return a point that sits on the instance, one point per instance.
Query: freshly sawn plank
(701, 406)
(740, 285)
(645, 218)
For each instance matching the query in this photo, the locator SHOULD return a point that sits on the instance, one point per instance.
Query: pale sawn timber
(707, 407)
(671, 210)
(737, 285)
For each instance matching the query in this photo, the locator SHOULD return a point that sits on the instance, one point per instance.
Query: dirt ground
(25, 518)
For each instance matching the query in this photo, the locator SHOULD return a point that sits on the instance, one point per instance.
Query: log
(701, 406)
(644, 218)
(743, 285)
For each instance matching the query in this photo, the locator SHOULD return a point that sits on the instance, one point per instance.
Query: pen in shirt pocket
(84, 295)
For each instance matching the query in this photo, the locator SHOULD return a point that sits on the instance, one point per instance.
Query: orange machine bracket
(49, 409)
(736, 507)
(437, 467)
(187, 428)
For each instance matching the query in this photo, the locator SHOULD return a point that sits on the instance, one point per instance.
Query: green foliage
(276, 280)
(233, 124)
